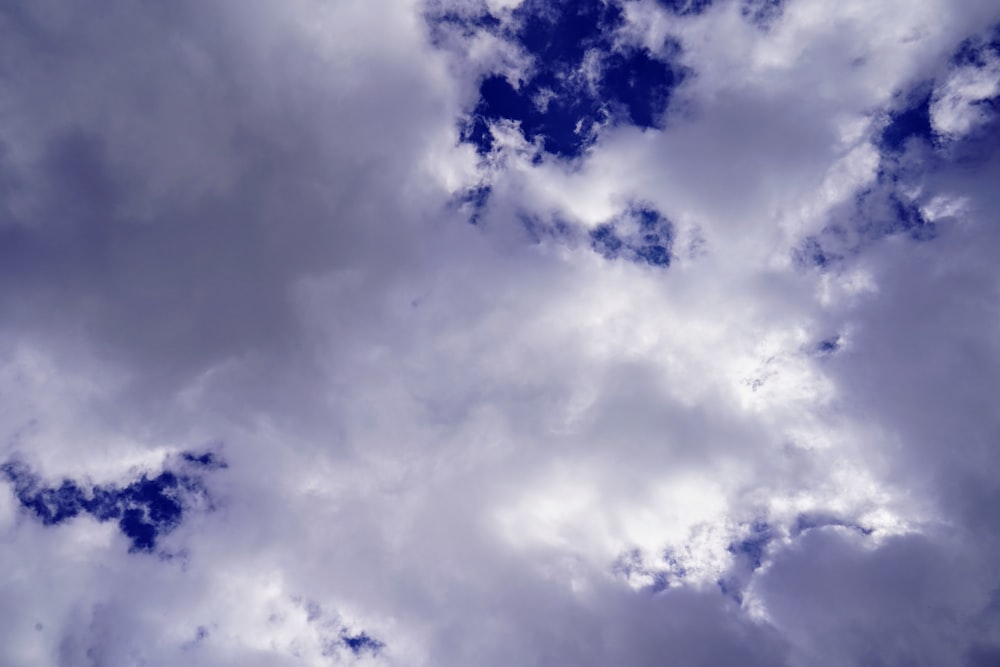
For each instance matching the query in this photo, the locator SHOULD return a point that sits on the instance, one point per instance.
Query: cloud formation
(450, 332)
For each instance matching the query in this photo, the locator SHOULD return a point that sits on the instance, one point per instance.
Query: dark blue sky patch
(561, 103)
(974, 51)
(969, 54)
(361, 643)
(51, 505)
(104, 503)
(981, 141)
(158, 496)
(336, 637)
(908, 218)
(993, 41)
(499, 99)
(912, 122)
(137, 528)
(640, 84)
(145, 509)
(546, 108)
(560, 32)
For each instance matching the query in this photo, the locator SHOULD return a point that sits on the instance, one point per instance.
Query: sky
(449, 333)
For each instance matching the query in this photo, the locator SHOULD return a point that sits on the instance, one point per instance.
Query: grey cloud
(234, 225)
(167, 205)
(910, 601)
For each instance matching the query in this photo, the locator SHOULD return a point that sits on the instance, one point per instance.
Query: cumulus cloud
(450, 332)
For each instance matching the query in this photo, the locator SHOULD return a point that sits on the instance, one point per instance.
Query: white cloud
(235, 229)
(957, 106)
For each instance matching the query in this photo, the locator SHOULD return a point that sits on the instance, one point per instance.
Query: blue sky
(500, 332)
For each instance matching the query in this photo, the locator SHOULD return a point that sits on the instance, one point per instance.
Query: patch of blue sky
(888, 207)
(976, 50)
(357, 644)
(361, 643)
(580, 81)
(145, 509)
(912, 121)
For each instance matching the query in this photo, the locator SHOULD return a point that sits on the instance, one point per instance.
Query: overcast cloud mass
(500, 333)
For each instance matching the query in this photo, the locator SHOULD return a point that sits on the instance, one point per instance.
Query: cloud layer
(492, 332)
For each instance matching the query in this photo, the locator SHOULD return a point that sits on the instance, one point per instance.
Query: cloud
(667, 339)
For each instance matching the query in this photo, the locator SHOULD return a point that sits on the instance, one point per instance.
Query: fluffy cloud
(499, 332)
